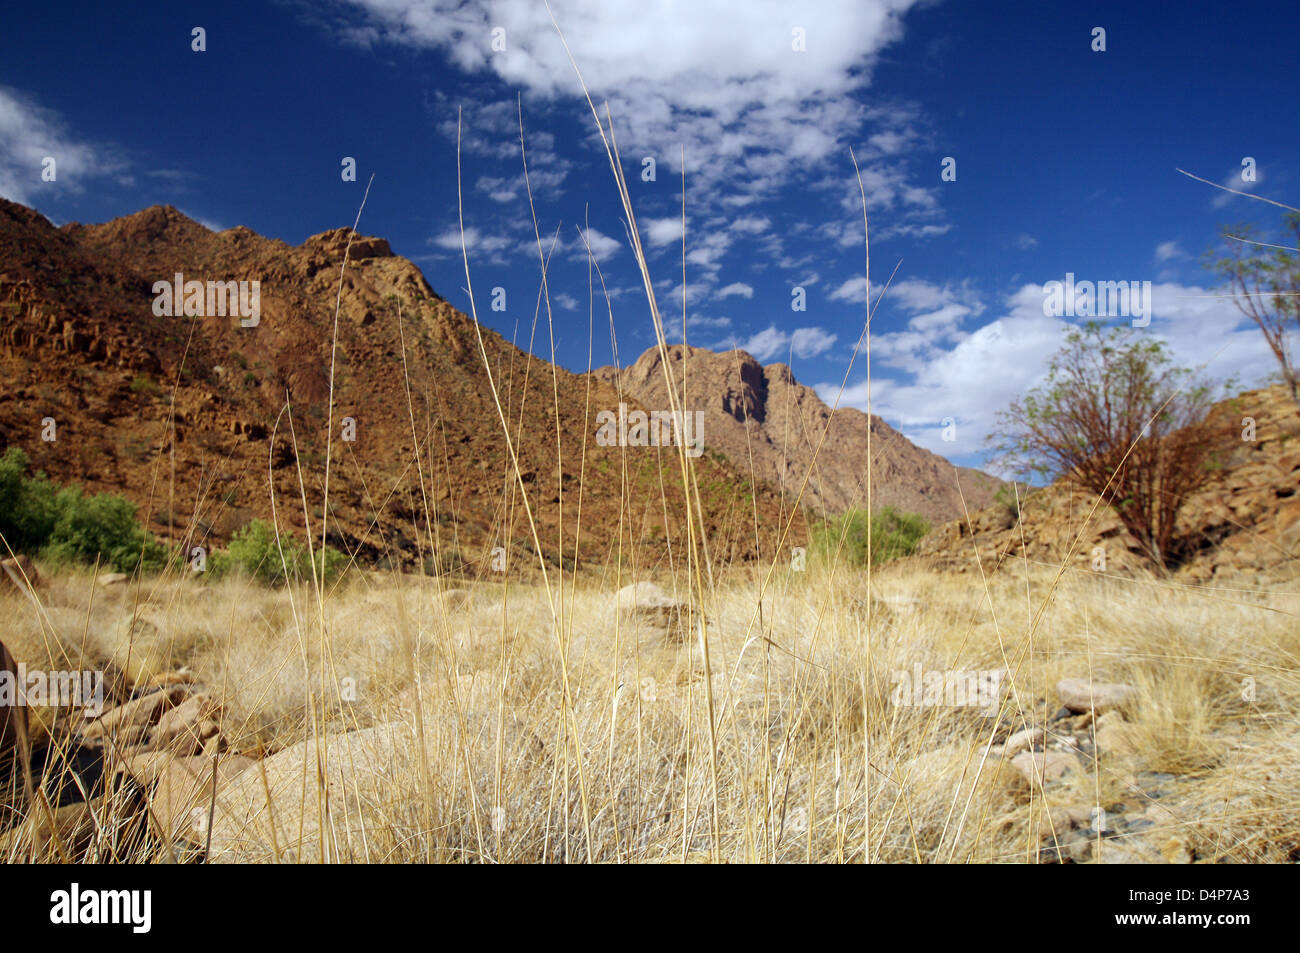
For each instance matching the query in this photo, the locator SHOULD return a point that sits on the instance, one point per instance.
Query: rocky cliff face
(195, 418)
(1245, 525)
(761, 417)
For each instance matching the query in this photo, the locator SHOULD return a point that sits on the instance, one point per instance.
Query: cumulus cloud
(602, 246)
(1166, 251)
(971, 377)
(678, 73)
(663, 231)
(476, 242)
(738, 288)
(772, 343)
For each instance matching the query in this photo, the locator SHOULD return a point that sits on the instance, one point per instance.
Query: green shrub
(27, 509)
(102, 526)
(143, 385)
(68, 526)
(253, 551)
(1005, 497)
(893, 534)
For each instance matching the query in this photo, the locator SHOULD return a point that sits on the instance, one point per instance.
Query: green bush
(68, 526)
(893, 534)
(254, 552)
(27, 508)
(102, 526)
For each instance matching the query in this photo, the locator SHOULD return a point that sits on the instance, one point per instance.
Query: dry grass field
(557, 728)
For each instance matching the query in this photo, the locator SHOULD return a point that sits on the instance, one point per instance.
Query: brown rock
(184, 726)
(21, 573)
(138, 714)
(13, 718)
(1041, 767)
(181, 798)
(1080, 695)
(762, 418)
(1023, 740)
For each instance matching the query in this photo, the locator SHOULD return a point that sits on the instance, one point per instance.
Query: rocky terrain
(1243, 527)
(766, 422)
(196, 418)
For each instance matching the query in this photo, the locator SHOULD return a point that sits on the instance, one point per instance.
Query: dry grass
(814, 760)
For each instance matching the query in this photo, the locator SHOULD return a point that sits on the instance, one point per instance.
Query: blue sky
(1065, 162)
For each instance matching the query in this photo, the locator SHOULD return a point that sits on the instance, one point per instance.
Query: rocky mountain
(1244, 525)
(192, 405)
(762, 418)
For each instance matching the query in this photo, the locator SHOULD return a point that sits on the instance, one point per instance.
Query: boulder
(1022, 741)
(1036, 768)
(182, 792)
(21, 573)
(108, 579)
(1080, 695)
(13, 718)
(183, 729)
(1112, 735)
(133, 719)
(647, 601)
(329, 799)
(358, 796)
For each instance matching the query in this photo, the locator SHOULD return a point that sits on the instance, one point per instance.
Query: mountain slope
(82, 345)
(763, 414)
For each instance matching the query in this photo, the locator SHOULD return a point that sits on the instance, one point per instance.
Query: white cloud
(772, 343)
(735, 288)
(678, 73)
(1024, 241)
(602, 246)
(854, 291)
(663, 231)
(565, 302)
(28, 134)
(475, 242)
(1169, 250)
(1233, 180)
(972, 377)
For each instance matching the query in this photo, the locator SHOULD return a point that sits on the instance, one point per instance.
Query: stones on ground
(110, 579)
(185, 728)
(1113, 736)
(1080, 695)
(1022, 741)
(131, 721)
(1128, 850)
(1176, 851)
(1036, 768)
(645, 601)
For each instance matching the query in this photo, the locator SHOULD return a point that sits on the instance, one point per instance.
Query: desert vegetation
(663, 694)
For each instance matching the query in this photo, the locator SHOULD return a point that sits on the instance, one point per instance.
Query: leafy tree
(1118, 419)
(1265, 278)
